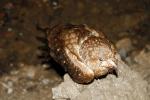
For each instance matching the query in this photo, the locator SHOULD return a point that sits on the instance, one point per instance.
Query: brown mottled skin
(84, 53)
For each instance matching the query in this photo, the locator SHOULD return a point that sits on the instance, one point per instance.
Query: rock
(8, 86)
(127, 86)
(124, 46)
(142, 65)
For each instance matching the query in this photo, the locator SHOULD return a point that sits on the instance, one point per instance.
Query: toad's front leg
(79, 72)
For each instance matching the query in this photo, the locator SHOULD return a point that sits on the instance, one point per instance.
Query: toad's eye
(100, 59)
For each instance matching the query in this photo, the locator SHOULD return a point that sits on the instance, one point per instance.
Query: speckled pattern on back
(83, 52)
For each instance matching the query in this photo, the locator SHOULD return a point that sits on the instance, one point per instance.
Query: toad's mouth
(110, 65)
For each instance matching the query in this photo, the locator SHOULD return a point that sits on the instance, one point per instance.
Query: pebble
(45, 81)
(9, 29)
(8, 86)
(124, 46)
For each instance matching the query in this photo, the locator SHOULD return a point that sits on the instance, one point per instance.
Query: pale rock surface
(142, 65)
(128, 86)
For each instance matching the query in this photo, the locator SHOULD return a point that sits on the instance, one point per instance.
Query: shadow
(44, 55)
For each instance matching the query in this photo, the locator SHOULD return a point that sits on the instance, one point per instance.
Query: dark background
(26, 72)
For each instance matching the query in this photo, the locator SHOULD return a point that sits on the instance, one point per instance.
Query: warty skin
(83, 52)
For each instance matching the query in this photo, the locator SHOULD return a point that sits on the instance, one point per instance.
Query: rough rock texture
(125, 48)
(128, 86)
(142, 65)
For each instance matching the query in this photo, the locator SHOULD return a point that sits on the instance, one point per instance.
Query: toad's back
(69, 46)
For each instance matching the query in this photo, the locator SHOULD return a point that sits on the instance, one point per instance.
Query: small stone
(45, 66)
(8, 86)
(11, 64)
(31, 73)
(14, 72)
(9, 29)
(45, 81)
(54, 3)
(10, 90)
(21, 64)
(20, 34)
(124, 46)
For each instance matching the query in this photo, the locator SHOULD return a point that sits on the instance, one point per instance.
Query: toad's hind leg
(79, 72)
(81, 75)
